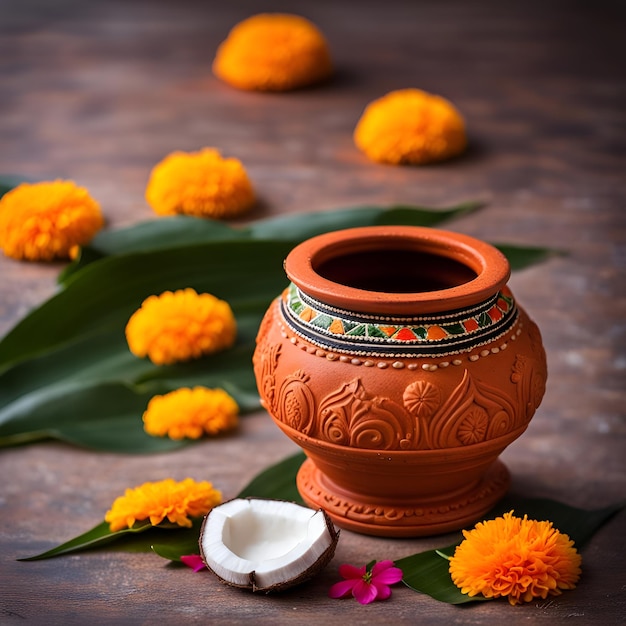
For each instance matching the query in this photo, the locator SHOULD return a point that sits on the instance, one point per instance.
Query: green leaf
(169, 232)
(106, 293)
(8, 182)
(140, 538)
(61, 357)
(521, 257)
(423, 216)
(277, 482)
(98, 536)
(579, 524)
(173, 551)
(427, 572)
(100, 416)
(304, 225)
(51, 394)
(88, 392)
(158, 234)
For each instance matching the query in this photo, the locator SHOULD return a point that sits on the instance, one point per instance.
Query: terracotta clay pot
(399, 361)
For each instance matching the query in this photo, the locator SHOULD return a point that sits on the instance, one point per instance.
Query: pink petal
(342, 588)
(388, 576)
(194, 561)
(381, 566)
(384, 591)
(349, 571)
(364, 592)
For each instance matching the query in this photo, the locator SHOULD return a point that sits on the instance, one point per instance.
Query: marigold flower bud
(190, 413)
(410, 126)
(517, 558)
(202, 184)
(167, 499)
(179, 326)
(273, 52)
(47, 220)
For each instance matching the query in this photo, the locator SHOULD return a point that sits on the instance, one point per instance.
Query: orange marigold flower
(273, 52)
(47, 220)
(203, 184)
(167, 499)
(190, 413)
(409, 126)
(514, 557)
(179, 326)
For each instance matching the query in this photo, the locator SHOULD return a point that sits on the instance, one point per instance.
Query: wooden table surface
(98, 92)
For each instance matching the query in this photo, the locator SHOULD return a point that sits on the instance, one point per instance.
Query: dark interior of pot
(395, 271)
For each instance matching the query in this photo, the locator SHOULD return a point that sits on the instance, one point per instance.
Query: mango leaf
(105, 294)
(169, 232)
(305, 225)
(140, 538)
(87, 346)
(521, 257)
(157, 234)
(178, 546)
(427, 572)
(277, 482)
(70, 395)
(76, 338)
(8, 182)
(579, 524)
(104, 416)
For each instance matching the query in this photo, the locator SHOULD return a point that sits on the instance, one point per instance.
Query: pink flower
(367, 583)
(194, 561)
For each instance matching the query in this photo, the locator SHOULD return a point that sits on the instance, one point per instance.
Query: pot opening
(394, 271)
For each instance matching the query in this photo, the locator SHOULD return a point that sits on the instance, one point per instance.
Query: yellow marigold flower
(167, 499)
(273, 52)
(179, 326)
(409, 126)
(47, 220)
(203, 184)
(514, 557)
(190, 413)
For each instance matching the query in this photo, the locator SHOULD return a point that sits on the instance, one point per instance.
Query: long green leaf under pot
(57, 360)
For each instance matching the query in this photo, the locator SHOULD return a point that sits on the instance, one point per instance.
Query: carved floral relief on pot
(351, 417)
(473, 412)
(296, 405)
(265, 363)
(422, 398)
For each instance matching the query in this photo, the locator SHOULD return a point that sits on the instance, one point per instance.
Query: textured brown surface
(100, 91)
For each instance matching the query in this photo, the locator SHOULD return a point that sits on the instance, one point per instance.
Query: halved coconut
(266, 545)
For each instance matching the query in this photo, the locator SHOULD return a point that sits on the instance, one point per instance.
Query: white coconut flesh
(266, 544)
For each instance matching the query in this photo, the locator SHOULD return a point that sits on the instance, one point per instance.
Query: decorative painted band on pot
(349, 332)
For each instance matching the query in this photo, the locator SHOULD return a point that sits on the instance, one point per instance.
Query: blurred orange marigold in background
(409, 126)
(273, 52)
(167, 499)
(190, 413)
(179, 326)
(202, 184)
(47, 220)
(518, 558)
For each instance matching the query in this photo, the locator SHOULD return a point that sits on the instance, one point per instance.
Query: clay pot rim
(491, 267)
(446, 455)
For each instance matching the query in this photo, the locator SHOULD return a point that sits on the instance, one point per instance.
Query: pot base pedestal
(419, 518)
